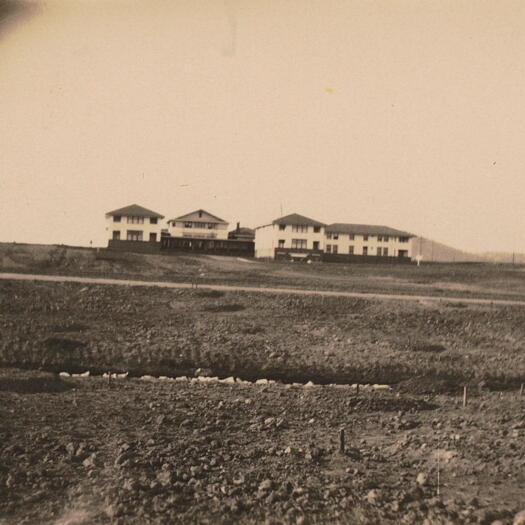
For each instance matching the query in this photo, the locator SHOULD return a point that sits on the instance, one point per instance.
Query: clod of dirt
(422, 479)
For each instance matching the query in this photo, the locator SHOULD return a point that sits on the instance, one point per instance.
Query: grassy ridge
(470, 280)
(75, 327)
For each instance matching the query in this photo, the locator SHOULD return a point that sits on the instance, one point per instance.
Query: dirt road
(164, 284)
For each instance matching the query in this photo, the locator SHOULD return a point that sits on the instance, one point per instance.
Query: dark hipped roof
(365, 229)
(243, 230)
(136, 211)
(197, 211)
(295, 218)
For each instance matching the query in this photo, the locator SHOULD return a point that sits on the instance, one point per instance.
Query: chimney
(238, 226)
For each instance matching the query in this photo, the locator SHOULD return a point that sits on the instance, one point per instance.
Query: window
(188, 224)
(328, 235)
(316, 245)
(351, 250)
(351, 236)
(116, 218)
(116, 235)
(385, 238)
(336, 236)
(379, 252)
(212, 226)
(153, 220)
(365, 237)
(334, 248)
(385, 252)
(281, 243)
(299, 243)
(153, 237)
(282, 227)
(379, 238)
(403, 253)
(300, 228)
(317, 229)
(135, 220)
(134, 235)
(365, 250)
(403, 239)
(328, 248)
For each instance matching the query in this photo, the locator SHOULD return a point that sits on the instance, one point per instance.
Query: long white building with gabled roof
(298, 237)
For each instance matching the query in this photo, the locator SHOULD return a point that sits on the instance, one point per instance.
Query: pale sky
(397, 112)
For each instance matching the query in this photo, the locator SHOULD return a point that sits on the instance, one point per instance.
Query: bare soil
(178, 452)
(82, 450)
(77, 327)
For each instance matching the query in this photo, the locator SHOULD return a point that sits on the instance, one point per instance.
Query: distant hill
(433, 251)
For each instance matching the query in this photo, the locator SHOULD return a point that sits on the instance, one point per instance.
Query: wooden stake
(357, 389)
(109, 378)
(342, 441)
(464, 396)
(521, 389)
(438, 467)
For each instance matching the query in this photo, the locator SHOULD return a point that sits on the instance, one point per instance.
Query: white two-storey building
(293, 236)
(134, 223)
(198, 225)
(299, 237)
(367, 240)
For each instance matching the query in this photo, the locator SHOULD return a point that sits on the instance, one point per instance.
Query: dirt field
(82, 450)
(179, 452)
(75, 327)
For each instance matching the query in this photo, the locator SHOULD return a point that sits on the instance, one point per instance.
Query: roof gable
(199, 216)
(134, 210)
(295, 218)
(365, 229)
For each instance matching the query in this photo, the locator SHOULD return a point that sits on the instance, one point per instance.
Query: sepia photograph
(262, 262)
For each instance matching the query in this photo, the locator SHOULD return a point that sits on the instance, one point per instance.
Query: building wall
(267, 239)
(344, 242)
(123, 226)
(177, 229)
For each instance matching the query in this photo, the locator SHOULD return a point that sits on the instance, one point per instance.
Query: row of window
(134, 219)
(201, 225)
(134, 235)
(300, 228)
(298, 244)
(380, 238)
(333, 248)
(200, 235)
(303, 228)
